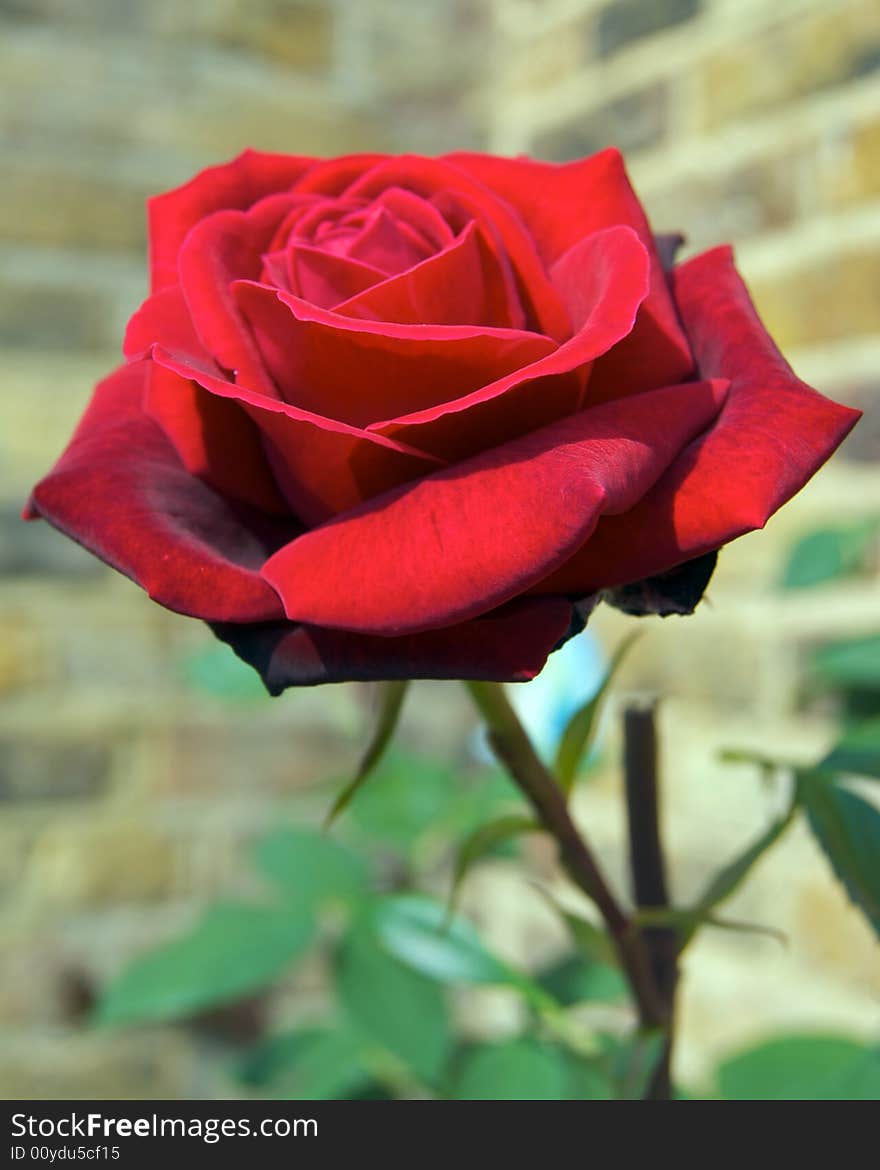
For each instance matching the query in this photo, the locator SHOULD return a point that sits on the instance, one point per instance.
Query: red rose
(407, 417)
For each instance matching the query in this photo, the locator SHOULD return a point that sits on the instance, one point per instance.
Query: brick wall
(127, 798)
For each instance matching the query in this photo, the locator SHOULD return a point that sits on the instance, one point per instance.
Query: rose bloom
(402, 417)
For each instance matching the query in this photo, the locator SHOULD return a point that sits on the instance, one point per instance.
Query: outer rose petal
(120, 490)
(510, 644)
(466, 539)
(236, 184)
(322, 466)
(214, 438)
(773, 434)
(228, 246)
(563, 203)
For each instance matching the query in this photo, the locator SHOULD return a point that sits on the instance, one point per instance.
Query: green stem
(514, 749)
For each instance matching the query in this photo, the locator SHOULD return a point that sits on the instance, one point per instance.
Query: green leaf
(686, 922)
(216, 671)
(420, 933)
(407, 795)
(392, 1005)
(847, 828)
(728, 879)
(631, 1061)
(580, 729)
(483, 840)
(829, 553)
(571, 980)
(852, 665)
(391, 699)
(513, 1070)
(857, 752)
(768, 764)
(593, 942)
(803, 1068)
(234, 951)
(310, 869)
(313, 1065)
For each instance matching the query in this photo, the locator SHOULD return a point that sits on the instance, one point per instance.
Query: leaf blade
(392, 694)
(580, 729)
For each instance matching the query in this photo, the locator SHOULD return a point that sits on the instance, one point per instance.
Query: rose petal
(120, 490)
(466, 539)
(510, 644)
(326, 279)
(214, 439)
(227, 246)
(164, 319)
(321, 465)
(462, 285)
(561, 204)
(773, 434)
(612, 273)
(451, 190)
(419, 214)
(386, 243)
(235, 184)
(358, 371)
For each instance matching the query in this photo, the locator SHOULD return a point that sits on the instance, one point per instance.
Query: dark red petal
(120, 490)
(224, 247)
(214, 438)
(563, 203)
(237, 184)
(321, 465)
(466, 539)
(461, 285)
(773, 434)
(326, 279)
(612, 266)
(164, 319)
(510, 644)
(334, 176)
(361, 371)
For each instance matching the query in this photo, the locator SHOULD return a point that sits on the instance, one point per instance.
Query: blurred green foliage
(394, 960)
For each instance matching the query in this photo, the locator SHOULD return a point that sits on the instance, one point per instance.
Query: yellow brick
(849, 166)
(824, 301)
(795, 57)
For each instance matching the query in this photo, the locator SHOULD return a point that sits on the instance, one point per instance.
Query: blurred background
(138, 766)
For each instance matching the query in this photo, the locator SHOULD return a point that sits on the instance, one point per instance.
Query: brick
(67, 300)
(45, 393)
(90, 1066)
(791, 59)
(712, 208)
(624, 21)
(50, 770)
(822, 300)
(52, 204)
(28, 549)
(633, 122)
(299, 34)
(849, 165)
(87, 864)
